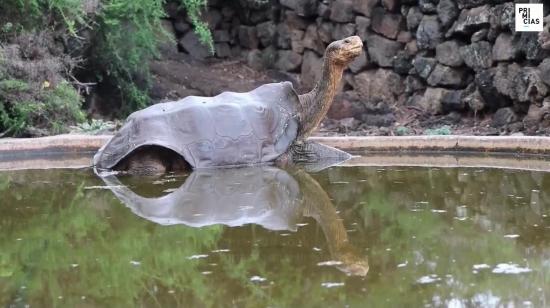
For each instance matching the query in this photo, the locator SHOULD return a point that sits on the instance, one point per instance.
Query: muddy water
(361, 236)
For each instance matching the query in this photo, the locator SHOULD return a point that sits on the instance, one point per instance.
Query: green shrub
(124, 40)
(127, 39)
(194, 8)
(402, 131)
(94, 126)
(443, 130)
(33, 14)
(50, 111)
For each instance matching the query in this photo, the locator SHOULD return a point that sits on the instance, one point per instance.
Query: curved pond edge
(511, 152)
(483, 144)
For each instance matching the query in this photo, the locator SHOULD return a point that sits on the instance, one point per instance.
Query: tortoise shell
(229, 129)
(265, 195)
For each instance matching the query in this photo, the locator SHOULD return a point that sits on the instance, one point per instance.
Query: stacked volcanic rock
(436, 56)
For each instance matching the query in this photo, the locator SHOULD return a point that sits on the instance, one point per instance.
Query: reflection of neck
(317, 102)
(317, 204)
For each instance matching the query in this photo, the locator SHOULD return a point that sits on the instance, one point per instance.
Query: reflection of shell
(266, 196)
(228, 129)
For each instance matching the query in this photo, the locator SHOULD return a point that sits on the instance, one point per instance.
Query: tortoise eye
(346, 41)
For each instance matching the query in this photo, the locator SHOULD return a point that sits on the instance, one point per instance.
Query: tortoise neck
(317, 102)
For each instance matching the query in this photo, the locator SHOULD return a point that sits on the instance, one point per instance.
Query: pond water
(258, 237)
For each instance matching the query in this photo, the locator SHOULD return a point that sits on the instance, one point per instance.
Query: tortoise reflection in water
(268, 124)
(266, 196)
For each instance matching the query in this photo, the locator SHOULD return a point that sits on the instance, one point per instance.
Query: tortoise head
(345, 50)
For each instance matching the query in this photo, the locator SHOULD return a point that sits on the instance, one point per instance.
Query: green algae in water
(428, 236)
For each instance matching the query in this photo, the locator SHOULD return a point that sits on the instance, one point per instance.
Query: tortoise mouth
(356, 49)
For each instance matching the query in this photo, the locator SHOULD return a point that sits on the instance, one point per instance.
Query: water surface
(257, 237)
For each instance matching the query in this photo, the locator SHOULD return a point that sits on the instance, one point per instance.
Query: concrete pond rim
(509, 152)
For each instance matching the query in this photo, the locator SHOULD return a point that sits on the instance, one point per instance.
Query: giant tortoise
(268, 124)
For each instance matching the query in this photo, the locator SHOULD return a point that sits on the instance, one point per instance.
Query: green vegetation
(402, 131)
(442, 131)
(194, 8)
(93, 126)
(117, 38)
(74, 248)
(47, 110)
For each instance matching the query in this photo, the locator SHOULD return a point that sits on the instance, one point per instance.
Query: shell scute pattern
(228, 129)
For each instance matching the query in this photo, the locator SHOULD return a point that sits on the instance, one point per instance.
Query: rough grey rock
(544, 69)
(222, 50)
(386, 24)
(452, 101)
(258, 16)
(181, 26)
(447, 76)
(424, 66)
(390, 5)
(302, 7)
(221, 36)
(480, 35)
(248, 37)
(504, 79)
(266, 31)
(411, 48)
(469, 21)
(364, 6)
(404, 37)
(414, 17)
(313, 41)
(402, 63)
(535, 115)
(544, 36)
(254, 59)
(529, 86)
(474, 3)
(447, 11)
(447, 53)
(190, 43)
(342, 11)
(382, 50)
(283, 36)
(288, 60)
(346, 105)
(504, 116)
(325, 31)
(431, 100)
(492, 98)
(311, 69)
(503, 16)
(323, 11)
(378, 120)
(343, 30)
(474, 100)
(428, 34)
(296, 41)
(427, 6)
(477, 55)
(528, 43)
(413, 84)
(380, 85)
(228, 13)
(362, 24)
(294, 21)
(504, 49)
(214, 19)
(359, 63)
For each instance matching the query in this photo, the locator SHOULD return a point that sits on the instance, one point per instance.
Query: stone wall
(437, 57)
